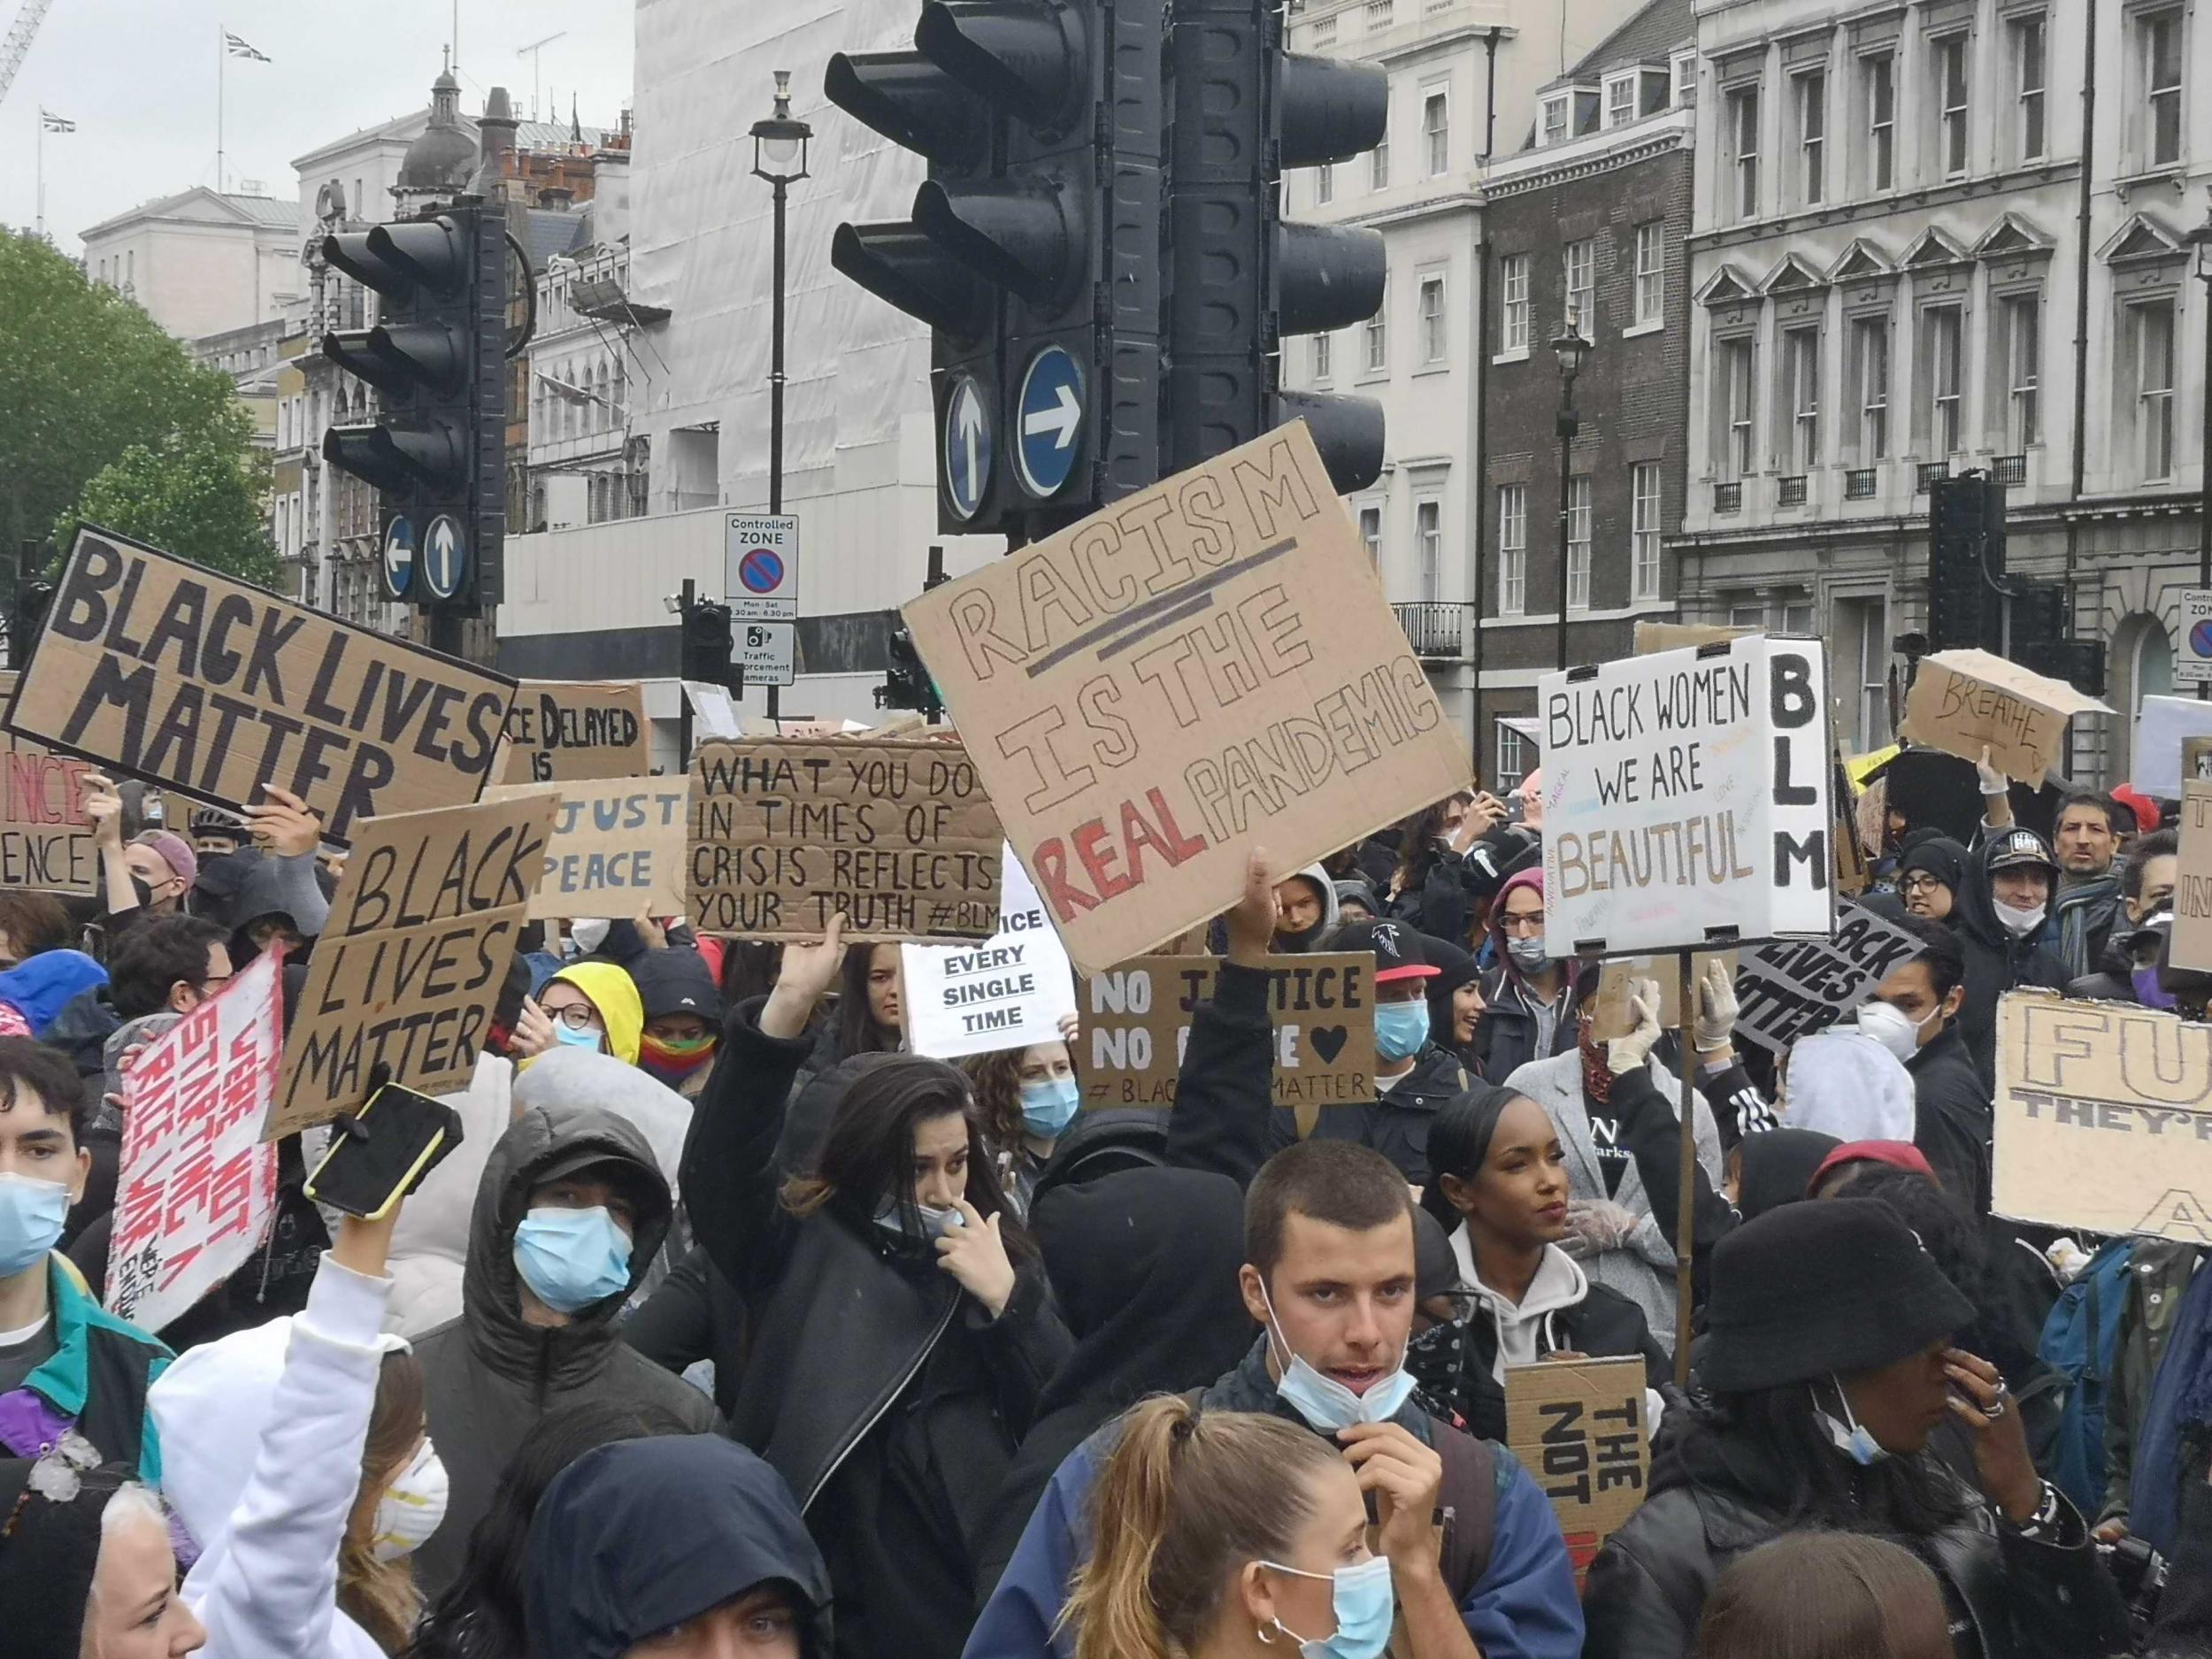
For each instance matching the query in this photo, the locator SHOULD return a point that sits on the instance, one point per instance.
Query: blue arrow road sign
(967, 448)
(399, 556)
(445, 557)
(1051, 417)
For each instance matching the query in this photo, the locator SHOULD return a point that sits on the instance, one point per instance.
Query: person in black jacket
(2002, 922)
(1455, 1004)
(1829, 1365)
(1530, 1000)
(902, 1327)
(1500, 1191)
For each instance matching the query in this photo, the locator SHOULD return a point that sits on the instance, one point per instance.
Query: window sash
(1804, 370)
(1620, 103)
(2161, 36)
(2024, 367)
(1324, 183)
(1556, 122)
(1643, 536)
(1945, 426)
(1873, 347)
(2028, 34)
(1744, 110)
(1377, 335)
(1736, 384)
(1324, 356)
(1512, 549)
(1378, 166)
(1881, 119)
(1651, 271)
(2154, 389)
(1436, 126)
(1513, 274)
(1579, 542)
(1812, 126)
(1432, 343)
(1951, 68)
(1370, 531)
(1578, 265)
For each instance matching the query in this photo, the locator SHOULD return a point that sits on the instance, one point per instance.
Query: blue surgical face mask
(31, 1216)
(572, 1259)
(1846, 1434)
(1048, 1105)
(1364, 1603)
(2148, 991)
(1325, 1403)
(891, 1217)
(1400, 1028)
(563, 1031)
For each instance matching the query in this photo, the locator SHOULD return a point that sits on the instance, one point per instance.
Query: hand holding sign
(807, 973)
(104, 811)
(282, 826)
(1251, 925)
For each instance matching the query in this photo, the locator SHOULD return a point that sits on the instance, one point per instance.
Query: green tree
(107, 418)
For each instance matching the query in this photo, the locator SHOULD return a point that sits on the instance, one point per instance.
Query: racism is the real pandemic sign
(1686, 799)
(1204, 666)
(170, 672)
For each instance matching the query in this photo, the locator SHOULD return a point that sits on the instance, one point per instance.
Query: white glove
(1994, 782)
(1596, 1225)
(1716, 1009)
(1624, 1054)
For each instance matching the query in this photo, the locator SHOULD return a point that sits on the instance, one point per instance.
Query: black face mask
(1437, 1359)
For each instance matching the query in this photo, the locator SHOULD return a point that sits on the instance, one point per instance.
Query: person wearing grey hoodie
(1306, 910)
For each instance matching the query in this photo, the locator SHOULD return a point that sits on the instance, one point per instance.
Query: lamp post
(780, 157)
(1570, 348)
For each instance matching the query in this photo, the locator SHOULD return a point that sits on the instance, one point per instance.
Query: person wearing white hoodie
(1500, 1191)
(299, 1464)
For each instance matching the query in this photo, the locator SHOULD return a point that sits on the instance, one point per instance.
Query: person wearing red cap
(1845, 1160)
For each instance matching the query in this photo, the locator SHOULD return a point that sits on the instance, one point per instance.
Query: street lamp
(1570, 348)
(780, 157)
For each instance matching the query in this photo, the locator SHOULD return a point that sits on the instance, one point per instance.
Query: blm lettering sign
(1136, 1017)
(1581, 1429)
(167, 672)
(1964, 702)
(1686, 799)
(559, 730)
(787, 833)
(1204, 665)
(46, 842)
(409, 967)
(2104, 1117)
(1008, 992)
(2191, 947)
(1798, 988)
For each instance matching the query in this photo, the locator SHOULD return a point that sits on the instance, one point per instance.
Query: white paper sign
(1006, 992)
(1686, 799)
(711, 707)
(2161, 725)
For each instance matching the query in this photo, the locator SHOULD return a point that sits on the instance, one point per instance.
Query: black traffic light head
(906, 681)
(1966, 562)
(708, 642)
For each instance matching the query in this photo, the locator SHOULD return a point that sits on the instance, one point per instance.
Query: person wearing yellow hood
(586, 1005)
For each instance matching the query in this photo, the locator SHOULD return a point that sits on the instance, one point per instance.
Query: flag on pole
(56, 123)
(239, 48)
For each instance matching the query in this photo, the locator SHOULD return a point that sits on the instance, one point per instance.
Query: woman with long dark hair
(1829, 1363)
(903, 1327)
(868, 1018)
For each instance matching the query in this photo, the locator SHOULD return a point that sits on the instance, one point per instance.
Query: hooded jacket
(488, 1376)
(1458, 967)
(1315, 876)
(43, 985)
(638, 1537)
(614, 994)
(430, 1240)
(1995, 961)
(243, 888)
(1955, 1121)
(265, 1430)
(1506, 1036)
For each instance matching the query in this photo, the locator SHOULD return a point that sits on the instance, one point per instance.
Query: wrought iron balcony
(1439, 633)
(1728, 498)
(1790, 491)
(1860, 483)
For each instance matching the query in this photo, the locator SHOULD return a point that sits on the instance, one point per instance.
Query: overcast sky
(138, 78)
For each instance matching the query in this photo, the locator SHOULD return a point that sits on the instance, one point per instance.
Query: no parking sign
(760, 566)
(2192, 663)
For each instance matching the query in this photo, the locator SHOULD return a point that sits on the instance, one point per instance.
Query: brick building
(1587, 223)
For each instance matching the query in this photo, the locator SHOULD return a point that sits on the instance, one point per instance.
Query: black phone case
(383, 1151)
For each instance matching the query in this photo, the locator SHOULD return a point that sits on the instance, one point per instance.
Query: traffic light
(1032, 249)
(707, 643)
(1966, 562)
(436, 356)
(1242, 277)
(906, 682)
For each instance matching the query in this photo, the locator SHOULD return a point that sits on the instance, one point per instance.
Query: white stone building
(201, 263)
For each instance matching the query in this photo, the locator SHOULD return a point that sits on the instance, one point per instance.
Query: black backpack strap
(1468, 1498)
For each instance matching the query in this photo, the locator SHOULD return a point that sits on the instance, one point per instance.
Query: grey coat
(1643, 1270)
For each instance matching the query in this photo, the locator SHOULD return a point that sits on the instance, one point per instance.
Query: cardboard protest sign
(170, 672)
(1581, 1429)
(1009, 992)
(2104, 1117)
(2164, 728)
(196, 1187)
(2191, 946)
(1137, 1015)
(1609, 1016)
(1204, 665)
(787, 832)
(46, 842)
(1793, 990)
(1652, 637)
(617, 848)
(410, 965)
(1963, 702)
(562, 729)
(1686, 799)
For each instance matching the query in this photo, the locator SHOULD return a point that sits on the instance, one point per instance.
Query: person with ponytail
(902, 1328)
(1500, 1191)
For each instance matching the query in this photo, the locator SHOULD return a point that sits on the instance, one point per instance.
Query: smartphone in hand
(381, 1155)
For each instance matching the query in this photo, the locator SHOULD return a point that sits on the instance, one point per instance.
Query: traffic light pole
(684, 600)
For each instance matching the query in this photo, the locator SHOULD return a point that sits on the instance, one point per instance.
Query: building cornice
(1868, 210)
(1568, 168)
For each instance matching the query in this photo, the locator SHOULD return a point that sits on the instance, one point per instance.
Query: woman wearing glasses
(1929, 876)
(588, 1005)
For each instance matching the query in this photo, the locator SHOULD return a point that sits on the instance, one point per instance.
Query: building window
(1812, 137)
(1879, 75)
(2151, 348)
(1379, 164)
(1514, 754)
(1512, 549)
(1324, 350)
(1801, 369)
(1620, 100)
(1737, 406)
(1434, 331)
(1869, 350)
(1555, 115)
(1579, 542)
(1577, 264)
(1950, 77)
(1370, 531)
(1651, 271)
(1643, 531)
(2028, 77)
(1437, 130)
(1377, 330)
(2158, 41)
(2022, 316)
(1685, 81)
(1428, 535)
(1323, 184)
(1743, 138)
(1941, 342)
(1513, 310)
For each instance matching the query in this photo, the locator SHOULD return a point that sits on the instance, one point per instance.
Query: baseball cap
(1398, 952)
(175, 851)
(2019, 849)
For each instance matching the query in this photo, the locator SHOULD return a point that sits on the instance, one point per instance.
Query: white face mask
(412, 1506)
(2020, 924)
(1896, 1030)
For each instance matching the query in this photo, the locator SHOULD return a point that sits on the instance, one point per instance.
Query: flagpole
(221, 52)
(42, 171)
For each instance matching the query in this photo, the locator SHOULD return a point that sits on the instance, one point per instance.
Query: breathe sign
(167, 672)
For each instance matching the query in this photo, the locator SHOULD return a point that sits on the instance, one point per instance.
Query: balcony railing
(1790, 491)
(1728, 498)
(1437, 632)
(1860, 483)
(1929, 473)
(2010, 470)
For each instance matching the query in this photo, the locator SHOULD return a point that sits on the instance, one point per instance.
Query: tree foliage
(109, 420)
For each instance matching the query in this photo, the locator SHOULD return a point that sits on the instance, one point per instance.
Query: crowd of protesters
(734, 1326)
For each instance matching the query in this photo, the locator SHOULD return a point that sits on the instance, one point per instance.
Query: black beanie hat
(1836, 1286)
(1939, 856)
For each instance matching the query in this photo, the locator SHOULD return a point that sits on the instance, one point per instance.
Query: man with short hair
(1915, 1015)
(2128, 970)
(2087, 834)
(169, 964)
